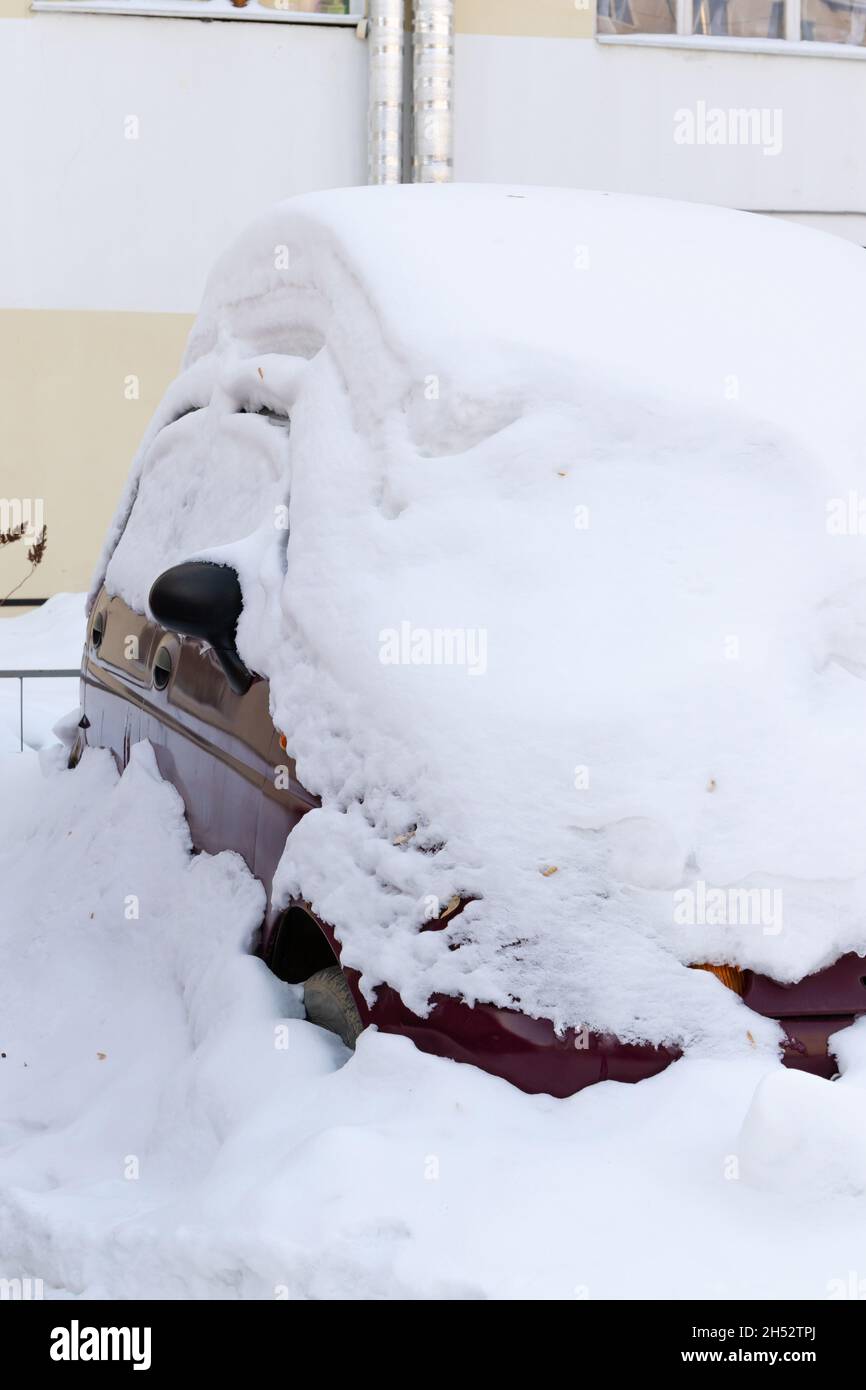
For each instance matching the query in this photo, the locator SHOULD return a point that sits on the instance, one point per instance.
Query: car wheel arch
(300, 945)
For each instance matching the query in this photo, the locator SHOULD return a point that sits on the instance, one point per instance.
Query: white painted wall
(572, 111)
(232, 117)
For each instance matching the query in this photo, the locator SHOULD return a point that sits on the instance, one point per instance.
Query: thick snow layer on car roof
(571, 617)
(684, 299)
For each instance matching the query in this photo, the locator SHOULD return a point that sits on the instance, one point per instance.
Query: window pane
(827, 22)
(741, 19)
(637, 17)
(314, 6)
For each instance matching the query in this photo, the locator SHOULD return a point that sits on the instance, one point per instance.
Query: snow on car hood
(571, 621)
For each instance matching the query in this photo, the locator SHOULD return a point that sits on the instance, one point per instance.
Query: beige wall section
(67, 430)
(558, 19)
(14, 9)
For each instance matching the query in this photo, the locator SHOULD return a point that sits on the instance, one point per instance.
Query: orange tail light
(730, 975)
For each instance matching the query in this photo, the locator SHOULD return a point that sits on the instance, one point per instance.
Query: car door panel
(218, 748)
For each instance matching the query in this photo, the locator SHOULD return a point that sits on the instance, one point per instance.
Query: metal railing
(34, 673)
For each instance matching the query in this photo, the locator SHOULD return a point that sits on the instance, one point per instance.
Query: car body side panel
(528, 1052)
(240, 789)
(220, 750)
(838, 989)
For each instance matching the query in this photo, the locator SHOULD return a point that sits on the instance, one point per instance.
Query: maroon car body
(219, 748)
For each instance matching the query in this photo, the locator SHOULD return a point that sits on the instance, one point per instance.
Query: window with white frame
(309, 7)
(314, 11)
(816, 21)
(323, 7)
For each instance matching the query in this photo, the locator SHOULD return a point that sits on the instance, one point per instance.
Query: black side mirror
(201, 599)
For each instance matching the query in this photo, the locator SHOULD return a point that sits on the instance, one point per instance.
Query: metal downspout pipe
(432, 90)
(384, 33)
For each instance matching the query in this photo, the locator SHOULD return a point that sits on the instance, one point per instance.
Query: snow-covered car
(479, 581)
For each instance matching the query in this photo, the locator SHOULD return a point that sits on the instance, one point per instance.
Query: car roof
(485, 289)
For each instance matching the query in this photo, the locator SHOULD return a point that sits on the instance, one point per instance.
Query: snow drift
(608, 446)
(172, 1127)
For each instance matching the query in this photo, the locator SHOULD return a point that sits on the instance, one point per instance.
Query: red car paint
(220, 749)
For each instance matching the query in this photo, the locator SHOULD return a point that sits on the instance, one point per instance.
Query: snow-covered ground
(170, 1126)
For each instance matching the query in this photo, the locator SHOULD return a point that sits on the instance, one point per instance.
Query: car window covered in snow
(208, 479)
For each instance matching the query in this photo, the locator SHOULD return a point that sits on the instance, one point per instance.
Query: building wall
(110, 227)
(570, 110)
(135, 148)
